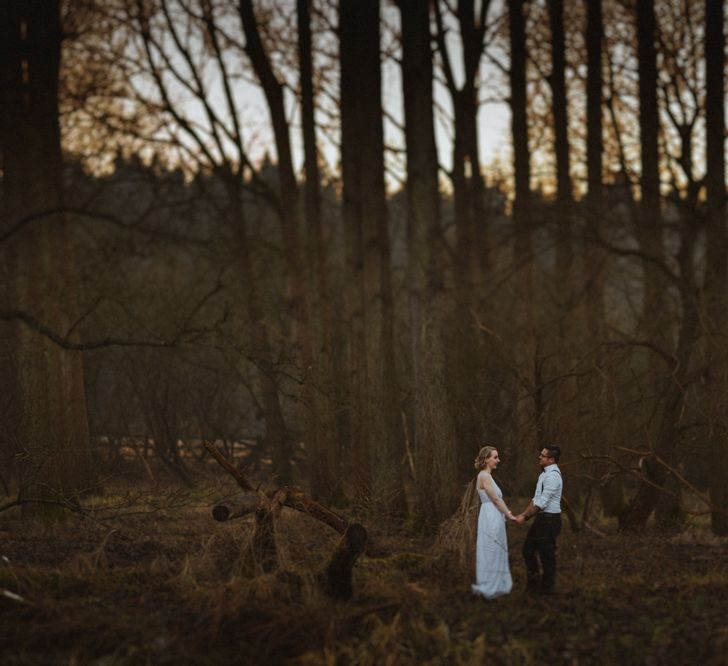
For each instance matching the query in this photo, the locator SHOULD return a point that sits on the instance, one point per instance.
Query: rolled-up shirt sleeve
(550, 491)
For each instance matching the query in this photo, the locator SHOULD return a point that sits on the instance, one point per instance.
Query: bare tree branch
(62, 341)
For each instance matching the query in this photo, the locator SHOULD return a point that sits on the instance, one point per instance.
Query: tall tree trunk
(649, 236)
(655, 468)
(649, 232)
(433, 431)
(519, 134)
(593, 258)
(467, 181)
(323, 442)
(522, 247)
(564, 188)
(378, 432)
(289, 211)
(471, 246)
(561, 405)
(649, 497)
(54, 430)
(276, 432)
(716, 283)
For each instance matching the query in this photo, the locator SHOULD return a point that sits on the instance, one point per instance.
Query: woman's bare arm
(485, 482)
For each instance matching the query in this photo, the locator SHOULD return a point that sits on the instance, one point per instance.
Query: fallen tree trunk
(228, 466)
(298, 500)
(337, 579)
(236, 507)
(248, 502)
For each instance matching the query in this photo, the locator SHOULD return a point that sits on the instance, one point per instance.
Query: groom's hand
(520, 519)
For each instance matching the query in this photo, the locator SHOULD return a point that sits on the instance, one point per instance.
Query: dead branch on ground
(337, 577)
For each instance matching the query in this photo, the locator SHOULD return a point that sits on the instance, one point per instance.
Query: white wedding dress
(492, 572)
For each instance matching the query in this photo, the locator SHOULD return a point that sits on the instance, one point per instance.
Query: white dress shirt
(548, 490)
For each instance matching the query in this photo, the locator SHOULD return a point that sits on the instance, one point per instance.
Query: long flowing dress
(492, 572)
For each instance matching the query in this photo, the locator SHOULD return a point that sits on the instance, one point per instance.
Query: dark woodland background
(340, 299)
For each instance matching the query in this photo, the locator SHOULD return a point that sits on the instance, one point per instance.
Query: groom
(540, 541)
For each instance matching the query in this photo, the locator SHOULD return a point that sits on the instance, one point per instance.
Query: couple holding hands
(492, 571)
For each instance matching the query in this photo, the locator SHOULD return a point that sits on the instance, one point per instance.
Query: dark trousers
(540, 545)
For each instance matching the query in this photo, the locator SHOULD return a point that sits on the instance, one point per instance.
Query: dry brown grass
(453, 553)
(164, 584)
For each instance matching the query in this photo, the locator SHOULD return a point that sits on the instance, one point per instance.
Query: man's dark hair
(554, 452)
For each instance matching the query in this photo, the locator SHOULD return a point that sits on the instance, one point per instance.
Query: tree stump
(339, 582)
(265, 549)
(263, 544)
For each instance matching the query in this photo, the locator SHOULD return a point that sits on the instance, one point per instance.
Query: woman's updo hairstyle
(483, 455)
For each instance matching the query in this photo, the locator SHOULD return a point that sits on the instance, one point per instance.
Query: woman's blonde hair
(483, 455)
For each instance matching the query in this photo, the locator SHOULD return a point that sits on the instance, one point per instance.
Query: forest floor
(152, 579)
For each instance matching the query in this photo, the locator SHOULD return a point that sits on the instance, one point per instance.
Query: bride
(492, 573)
